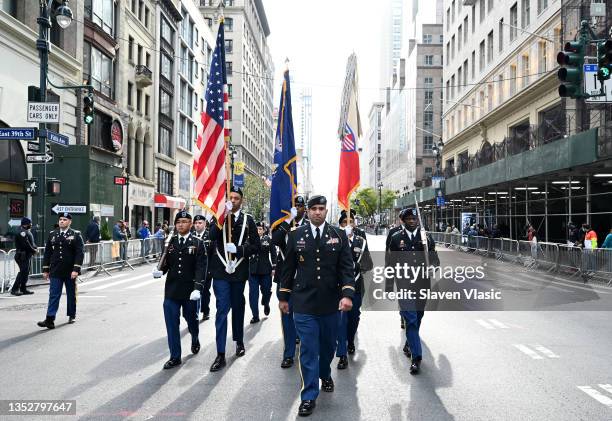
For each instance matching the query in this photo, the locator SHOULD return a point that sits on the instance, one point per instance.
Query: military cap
(26, 221)
(65, 215)
(299, 200)
(317, 200)
(261, 224)
(343, 215)
(235, 189)
(199, 218)
(181, 214)
(408, 212)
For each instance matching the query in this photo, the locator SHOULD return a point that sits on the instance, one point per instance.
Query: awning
(164, 201)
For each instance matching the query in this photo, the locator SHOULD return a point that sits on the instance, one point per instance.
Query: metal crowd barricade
(528, 253)
(3, 270)
(547, 255)
(481, 244)
(509, 249)
(598, 263)
(569, 258)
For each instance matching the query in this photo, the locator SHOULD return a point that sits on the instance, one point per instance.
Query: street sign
(33, 147)
(18, 133)
(57, 138)
(39, 158)
(239, 180)
(592, 86)
(74, 208)
(121, 181)
(30, 186)
(43, 112)
(440, 201)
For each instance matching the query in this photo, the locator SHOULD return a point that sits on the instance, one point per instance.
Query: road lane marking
(606, 387)
(86, 283)
(484, 324)
(546, 351)
(538, 284)
(91, 296)
(112, 284)
(598, 396)
(498, 324)
(528, 351)
(142, 284)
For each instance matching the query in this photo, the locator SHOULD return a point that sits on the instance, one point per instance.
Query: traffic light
(53, 187)
(604, 60)
(572, 58)
(88, 109)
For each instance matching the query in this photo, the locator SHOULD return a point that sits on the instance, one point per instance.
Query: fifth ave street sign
(43, 112)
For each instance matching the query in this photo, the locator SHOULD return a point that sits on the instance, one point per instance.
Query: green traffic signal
(88, 109)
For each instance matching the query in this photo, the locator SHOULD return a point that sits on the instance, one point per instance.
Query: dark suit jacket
(185, 266)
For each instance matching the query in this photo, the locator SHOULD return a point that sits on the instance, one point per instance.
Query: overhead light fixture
(526, 188)
(573, 188)
(566, 182)
(63, 15)
(474, 197)
(497, 192)
(602, 175)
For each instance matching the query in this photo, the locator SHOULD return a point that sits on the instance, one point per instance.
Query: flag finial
(219, 13)
(287, 64)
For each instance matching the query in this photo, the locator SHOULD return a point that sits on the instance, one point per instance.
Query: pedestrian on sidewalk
(260, 274)
(607, 244)
(93, 237)
(61, 265)
(144, 233)
(25, 249)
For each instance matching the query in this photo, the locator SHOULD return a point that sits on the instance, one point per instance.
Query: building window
(185, 134)
(167, 33)
(482, 56)
(427, 39)
(146, 17)
(100, 131)
(526, 70)
(490, 47)
(209, 22)
(513, 22)
(500, 89)
(139, 58)
(465, 73)
(448, 19)
(98, 68)
(228, 24)
(473, 18)
(147, 104)
(9, 6)
(165, 181)
(500, 35)
(148, 60)
(525, 12)
(229, 90)
(427, 144)
(542, 5)
(482, 10)
(102, 13)
(512, 79)
(129, 95)
(166, 66)
(131, 50)
(453, 47)
(543, 57)
(459, 34)
(490, 95)
(465, 30)
(165, 101)
(452, 87)
(229, 46)
(428, 60)
(441, 39)
(473, 64)
(165, 145)
(448, 53)
(229, 68)
(229, 112)
(184, 176)
(139, 100)
(490, 5)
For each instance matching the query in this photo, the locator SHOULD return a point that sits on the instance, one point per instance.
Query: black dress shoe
(240, 350)
(306, 408)
(287, 362)
(406, 351)
(27, 292)
(254, 320)
(48, 323)
(351, 348)
(343, 363)
(16, 293)
(171, 364)
(71, 320)
(195, 348)
(415, 367)
(297, 340)
(266, 309)
(219, 363)
(327, 385)
(205, 316)
(403, 323)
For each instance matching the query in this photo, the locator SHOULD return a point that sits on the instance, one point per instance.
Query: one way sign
(58, 208)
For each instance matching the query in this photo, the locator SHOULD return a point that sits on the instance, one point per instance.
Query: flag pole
(293, 193)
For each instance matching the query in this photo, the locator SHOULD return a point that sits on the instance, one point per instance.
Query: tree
(368, 202)
(388, 199)
(256, 196)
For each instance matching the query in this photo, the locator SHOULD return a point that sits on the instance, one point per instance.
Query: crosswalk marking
(142, 284)
(498, 324)
(112, 284)
(96, 281)
(91, 296)
(528, 351)
(606, 387)
(484, 324)
(546, 351)
(597, 395)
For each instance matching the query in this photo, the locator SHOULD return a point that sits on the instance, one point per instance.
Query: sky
(317, 37)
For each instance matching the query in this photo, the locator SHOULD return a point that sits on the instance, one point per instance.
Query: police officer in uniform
(202, 231)
(260, 267)
(406, 246)
(61, 265)
(362, 260)
(318, 276)
(297, 218)
(229, 266)
(185, 266)
(25, 249)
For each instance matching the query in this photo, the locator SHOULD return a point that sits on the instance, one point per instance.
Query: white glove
(293, 214)
(230, 248)
(195, 295)
(157, 274)
(349, 230)
(228, 207)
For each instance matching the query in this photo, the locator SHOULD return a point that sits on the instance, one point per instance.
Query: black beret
(299, 200)
(408, 212)
(343, 215)
(65, 215)
(199, 218)
(26, 221)
(181, 214)
(261, 224)
(235, 189)
(317, 200)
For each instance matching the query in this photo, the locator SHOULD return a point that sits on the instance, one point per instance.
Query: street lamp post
(380, 185)
(437, 150)
(63, 17)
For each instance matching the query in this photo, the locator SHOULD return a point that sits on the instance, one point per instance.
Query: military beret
(299, 200)
(343, 215)
(235, 189)
(408, 212)
(181, 214)
(261, 224)
(65, 215)
(26, 221)
(199, 218)
(317, 200)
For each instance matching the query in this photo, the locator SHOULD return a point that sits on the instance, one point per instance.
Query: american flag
(348, 139)
(209, 160)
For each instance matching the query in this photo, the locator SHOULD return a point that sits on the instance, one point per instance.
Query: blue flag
(284, 178)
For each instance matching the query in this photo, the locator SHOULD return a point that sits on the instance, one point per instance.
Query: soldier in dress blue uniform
(406, 246)
(185, 266)
(25, 249)
(318, 276)
(202, 231)
(61, 265)
(348, 322)
(260, 267)
(387, 244)
(296, 219)
(229, 266)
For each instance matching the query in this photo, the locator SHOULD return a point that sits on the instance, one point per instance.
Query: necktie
(182, 241)
(318, 235)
